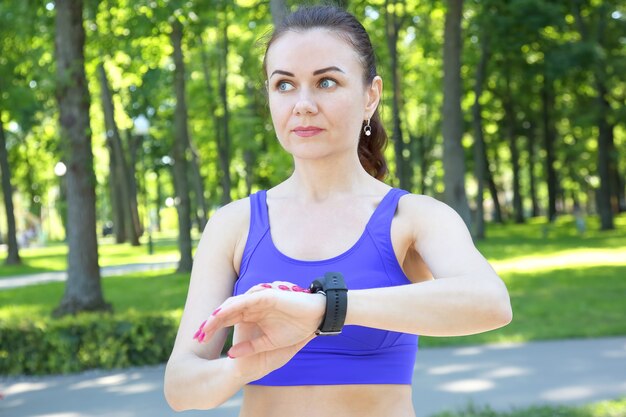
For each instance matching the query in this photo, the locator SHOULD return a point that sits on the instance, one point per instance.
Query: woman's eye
(327, 83)
(284, 86)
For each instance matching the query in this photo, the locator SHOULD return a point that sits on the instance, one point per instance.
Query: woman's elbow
(172, 396)
(500, 306)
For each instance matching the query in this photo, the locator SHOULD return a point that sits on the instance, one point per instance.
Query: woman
(389, 265)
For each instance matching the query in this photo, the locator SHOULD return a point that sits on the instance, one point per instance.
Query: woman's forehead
(311, 48)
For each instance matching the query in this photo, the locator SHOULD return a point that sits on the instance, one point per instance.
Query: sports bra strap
(259, 225)
(258, 215)
(380, 222)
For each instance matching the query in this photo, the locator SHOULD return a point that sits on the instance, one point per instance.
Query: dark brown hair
(350, 29)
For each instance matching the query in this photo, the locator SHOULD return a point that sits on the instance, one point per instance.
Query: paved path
(503, 376)
(105, 271)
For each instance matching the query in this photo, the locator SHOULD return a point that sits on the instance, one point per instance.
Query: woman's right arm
(196, 377)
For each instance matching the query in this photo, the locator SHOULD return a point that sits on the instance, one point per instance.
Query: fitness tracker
(333, 286)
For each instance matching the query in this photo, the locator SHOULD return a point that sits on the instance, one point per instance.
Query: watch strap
(333, 286)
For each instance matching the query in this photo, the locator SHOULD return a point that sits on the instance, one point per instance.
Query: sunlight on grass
(575, 258)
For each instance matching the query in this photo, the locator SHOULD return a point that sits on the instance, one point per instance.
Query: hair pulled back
(337, 20)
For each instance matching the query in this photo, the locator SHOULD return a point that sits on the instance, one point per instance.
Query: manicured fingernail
(201, 337)
(216, 311)
(266, 286)
(307, 291)
(197, 334)
(202, 325)
(283, 287)
(297, 288)
(229, 355)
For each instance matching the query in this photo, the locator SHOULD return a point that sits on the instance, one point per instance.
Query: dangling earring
(367, 129)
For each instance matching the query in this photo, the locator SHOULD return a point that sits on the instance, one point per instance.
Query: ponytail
(371, 149)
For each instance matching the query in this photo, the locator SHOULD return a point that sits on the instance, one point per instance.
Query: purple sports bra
(359, 355)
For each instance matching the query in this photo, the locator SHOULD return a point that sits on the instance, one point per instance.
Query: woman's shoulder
(426, 212)
(231, 219)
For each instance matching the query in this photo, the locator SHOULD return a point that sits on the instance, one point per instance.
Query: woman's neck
(317, 180)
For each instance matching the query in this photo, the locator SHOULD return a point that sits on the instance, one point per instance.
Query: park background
(125, 124)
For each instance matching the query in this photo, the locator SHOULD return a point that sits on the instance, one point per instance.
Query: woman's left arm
(466, 295)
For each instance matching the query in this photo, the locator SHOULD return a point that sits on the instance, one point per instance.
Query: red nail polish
(229, 355)
(216, 311)
(197, 334)
(307, 291)
(202, 325)
(201, 338)
(283, 287)
(266, 286)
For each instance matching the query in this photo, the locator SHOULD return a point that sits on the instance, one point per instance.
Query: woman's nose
(305, 104)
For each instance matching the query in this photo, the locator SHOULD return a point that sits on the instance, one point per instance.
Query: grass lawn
(53, 257)
(562, 285)
(614, 408)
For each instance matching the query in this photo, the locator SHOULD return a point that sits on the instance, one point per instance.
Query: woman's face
(316, 94)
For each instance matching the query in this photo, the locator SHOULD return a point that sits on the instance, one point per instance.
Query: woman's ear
(374, 93)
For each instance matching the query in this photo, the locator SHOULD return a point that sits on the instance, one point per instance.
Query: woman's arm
(466, 295)
(195, 376)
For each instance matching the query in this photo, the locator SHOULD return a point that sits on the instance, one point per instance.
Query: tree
(13, 257)
(452, 123)
(179, 151)
(596, 37)
(83, 291)
(393, 23)
(124, 202)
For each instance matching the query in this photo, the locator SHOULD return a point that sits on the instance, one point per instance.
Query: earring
(367, 129)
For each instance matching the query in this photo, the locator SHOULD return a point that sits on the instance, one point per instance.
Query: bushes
(83, 342)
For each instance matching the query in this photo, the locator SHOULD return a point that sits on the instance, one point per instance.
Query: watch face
(316, 286)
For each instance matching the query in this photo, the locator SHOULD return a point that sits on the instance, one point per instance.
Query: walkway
(105, 271)
(503, 376)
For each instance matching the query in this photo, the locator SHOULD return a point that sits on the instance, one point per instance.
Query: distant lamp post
(142, 128)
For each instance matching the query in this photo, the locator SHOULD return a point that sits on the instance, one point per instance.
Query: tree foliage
(552, 102)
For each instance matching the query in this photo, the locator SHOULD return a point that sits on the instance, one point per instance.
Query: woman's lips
(307, 131)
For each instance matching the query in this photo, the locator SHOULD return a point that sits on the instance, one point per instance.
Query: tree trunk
(202, 210)
(223, 145)
(617, 183)
(509, 117)
(181, 185)
(549, 136)
(129, 221)
(135, 228)
(531, 172)
(13, 257)
(83, 291)
(604, 159)
(493, 189)
(392, 26)
(452, 128)
(480, 163)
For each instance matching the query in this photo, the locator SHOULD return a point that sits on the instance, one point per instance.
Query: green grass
(53, 257)
(612, 408)
(562, 285)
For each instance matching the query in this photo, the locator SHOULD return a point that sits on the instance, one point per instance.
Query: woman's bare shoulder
(231, 220)
(427, 214)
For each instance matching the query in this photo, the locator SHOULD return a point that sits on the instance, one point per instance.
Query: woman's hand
(267, 317)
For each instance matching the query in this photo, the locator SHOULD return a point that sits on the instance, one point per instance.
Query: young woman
(385, 265)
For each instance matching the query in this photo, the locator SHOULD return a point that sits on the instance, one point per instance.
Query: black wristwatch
(333, 286)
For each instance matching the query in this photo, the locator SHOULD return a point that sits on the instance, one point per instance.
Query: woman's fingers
(249, 307)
